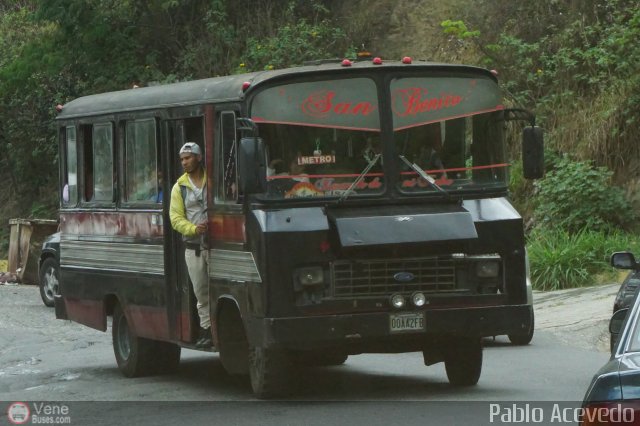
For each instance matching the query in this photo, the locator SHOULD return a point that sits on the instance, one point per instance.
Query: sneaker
(204, 338)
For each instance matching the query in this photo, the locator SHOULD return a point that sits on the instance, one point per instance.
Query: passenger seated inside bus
(296, 171)
(283, 182)
(421, 145)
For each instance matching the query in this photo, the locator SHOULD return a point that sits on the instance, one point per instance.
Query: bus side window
(102, 136)
(142, 180)
(70, 174)
(227, 176)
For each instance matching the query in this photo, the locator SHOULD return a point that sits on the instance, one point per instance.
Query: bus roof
(227, 88)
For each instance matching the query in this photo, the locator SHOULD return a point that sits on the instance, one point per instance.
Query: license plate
(406, 322)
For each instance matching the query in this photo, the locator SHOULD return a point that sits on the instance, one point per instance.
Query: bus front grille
(384, 277)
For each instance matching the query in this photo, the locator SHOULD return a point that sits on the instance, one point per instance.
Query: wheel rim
(124, 345)
(50, 283)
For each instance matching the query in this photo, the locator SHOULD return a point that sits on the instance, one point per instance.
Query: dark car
(49, 268)
(627, 291)
(614, 392)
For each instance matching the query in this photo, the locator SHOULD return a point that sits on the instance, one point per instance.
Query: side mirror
(532, 152)
(252, 171)
(623, 260)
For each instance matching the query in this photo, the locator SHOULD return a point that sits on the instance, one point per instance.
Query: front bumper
(370, 332)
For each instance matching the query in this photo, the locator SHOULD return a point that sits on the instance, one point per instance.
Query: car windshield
(634, 340)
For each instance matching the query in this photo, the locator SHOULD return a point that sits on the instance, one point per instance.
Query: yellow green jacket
(177, 210)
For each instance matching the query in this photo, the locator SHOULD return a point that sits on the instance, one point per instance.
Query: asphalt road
(44, 359)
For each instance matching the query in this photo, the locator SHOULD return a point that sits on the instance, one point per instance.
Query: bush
(561, 260)
(576, 195)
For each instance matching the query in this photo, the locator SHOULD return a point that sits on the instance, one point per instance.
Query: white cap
(190, 148)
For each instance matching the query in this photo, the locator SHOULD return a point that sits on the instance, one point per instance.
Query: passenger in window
(296, 171)
(429, 160)
(188, 214)
(156, 194)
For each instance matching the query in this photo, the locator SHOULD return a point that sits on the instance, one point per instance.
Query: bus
(353, 207)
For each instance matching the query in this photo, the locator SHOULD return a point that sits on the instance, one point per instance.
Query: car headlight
(310, 276)
(487, 269)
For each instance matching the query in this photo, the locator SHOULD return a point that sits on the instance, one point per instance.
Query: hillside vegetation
(573, 62)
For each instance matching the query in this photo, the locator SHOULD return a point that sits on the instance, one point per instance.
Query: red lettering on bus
(416, 100)
(320, 104)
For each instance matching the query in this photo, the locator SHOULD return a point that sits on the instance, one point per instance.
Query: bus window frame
(219, 156)
(64, 170)
(122, 173)
(90, 124)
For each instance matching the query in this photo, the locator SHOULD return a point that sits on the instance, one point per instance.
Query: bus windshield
(451, 129)
(323, 137)
(320, 137)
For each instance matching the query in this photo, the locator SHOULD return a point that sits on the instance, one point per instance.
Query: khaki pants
(198, 267)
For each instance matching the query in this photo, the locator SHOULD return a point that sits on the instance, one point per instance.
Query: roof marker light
(246, 85)
(346, 63)
(494, 72)
(59, 107)
(377, 61)
(406, 60)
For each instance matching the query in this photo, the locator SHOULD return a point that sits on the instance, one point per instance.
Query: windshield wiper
(424, 175)
(359, 178)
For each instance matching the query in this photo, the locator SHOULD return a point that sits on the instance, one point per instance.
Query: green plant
(294, 42)
(576, 195)
(561, 260)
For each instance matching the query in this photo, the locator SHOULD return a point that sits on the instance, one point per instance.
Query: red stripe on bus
(228, 228)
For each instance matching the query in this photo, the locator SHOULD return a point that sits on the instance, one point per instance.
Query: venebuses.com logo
(20, 413)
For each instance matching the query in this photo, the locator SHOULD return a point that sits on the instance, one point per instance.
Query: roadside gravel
(579, 316)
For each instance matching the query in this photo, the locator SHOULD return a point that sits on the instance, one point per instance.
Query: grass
(560, 260)
(3, 265)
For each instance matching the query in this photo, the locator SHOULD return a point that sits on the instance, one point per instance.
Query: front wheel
(463, 361)
(524, 338)
(49, 284)
(268, 371)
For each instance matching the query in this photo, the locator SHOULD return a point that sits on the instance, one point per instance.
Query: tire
(234, 348)
(269, 372)
(136, 356)
(523, 339)
(463, 361)
(49, 284)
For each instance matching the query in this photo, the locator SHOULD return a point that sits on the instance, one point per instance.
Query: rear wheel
(136, 356)
(49, 284)
(463, 361)
(269, 372)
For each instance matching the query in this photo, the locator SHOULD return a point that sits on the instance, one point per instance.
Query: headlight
(397, 301)
(418, 299)
(310, 276)
(487, 269)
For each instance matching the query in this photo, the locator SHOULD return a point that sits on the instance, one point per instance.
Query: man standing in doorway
(188, 216)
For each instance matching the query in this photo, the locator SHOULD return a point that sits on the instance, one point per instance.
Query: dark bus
(353, 207)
